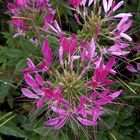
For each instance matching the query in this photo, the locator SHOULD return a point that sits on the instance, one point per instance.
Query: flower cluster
(76, 86)
(102, 22)
(68, 91)
(29, 13)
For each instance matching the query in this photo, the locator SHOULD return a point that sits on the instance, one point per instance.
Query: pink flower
(20, 24)
(91, 48)
(69, 47)
(109, 5)
(47, 53)
(21, 3)
(88, 51)
(122, 27)
(55, 27)
(101, 72)
(134, 68)
(39, 98)
(12, 8)
(49, 18)
(117, 48)
(75, 3)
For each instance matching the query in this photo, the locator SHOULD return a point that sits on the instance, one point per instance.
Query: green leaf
(12, 130)
(4, 90)
(101, 137)
(20, 65)
(43, 131)
(15, 53)
(6, 118)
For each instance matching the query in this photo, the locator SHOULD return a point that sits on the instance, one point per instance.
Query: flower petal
(104, 100)
(29, 80)
(52, 121)
(105, 5)
(116, 94)
(47, 52)
(61, 123)
(91, 48)
(85, 121)
(39, 79)
(28, 93)
(118, 6)
(39, 103)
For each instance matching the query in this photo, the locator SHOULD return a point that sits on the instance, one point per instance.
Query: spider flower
(102, 23)
(67, 91)
(29, 11)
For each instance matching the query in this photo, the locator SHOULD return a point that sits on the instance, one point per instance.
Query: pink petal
(61, 56)
(114, 48)
(109, 4)
(84, 55)
(85, 121)
(65, 44)
(29, 80)
(127, 26)
(118, 6)
(11, 8)
(94, 116)
(47, 52)
(102, 75)
(75, 3)
(51, 27)
(52, 121)
(30, 63)
(83, 2)
(105, 5)
(49, 83)
(131, 68)
(110, 64)
(17, 22)
(91, 48)
(39, 103)
(38, 91)
(58, 110)
(93, 95)
(120, 52)
(57, 27)
(73, 44)
(49, 18)
(104, 101)
(75, 57)
(39, 79)
(90, 2)
(20, 3)
(28, 70)
(116, 94)
(48, 93)
(77, 19)
(64, 102)
(122, 22)
(121, 15)
(125, 36)
(61, 123)
(105, 92)
(28, 93)
(107, 82)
